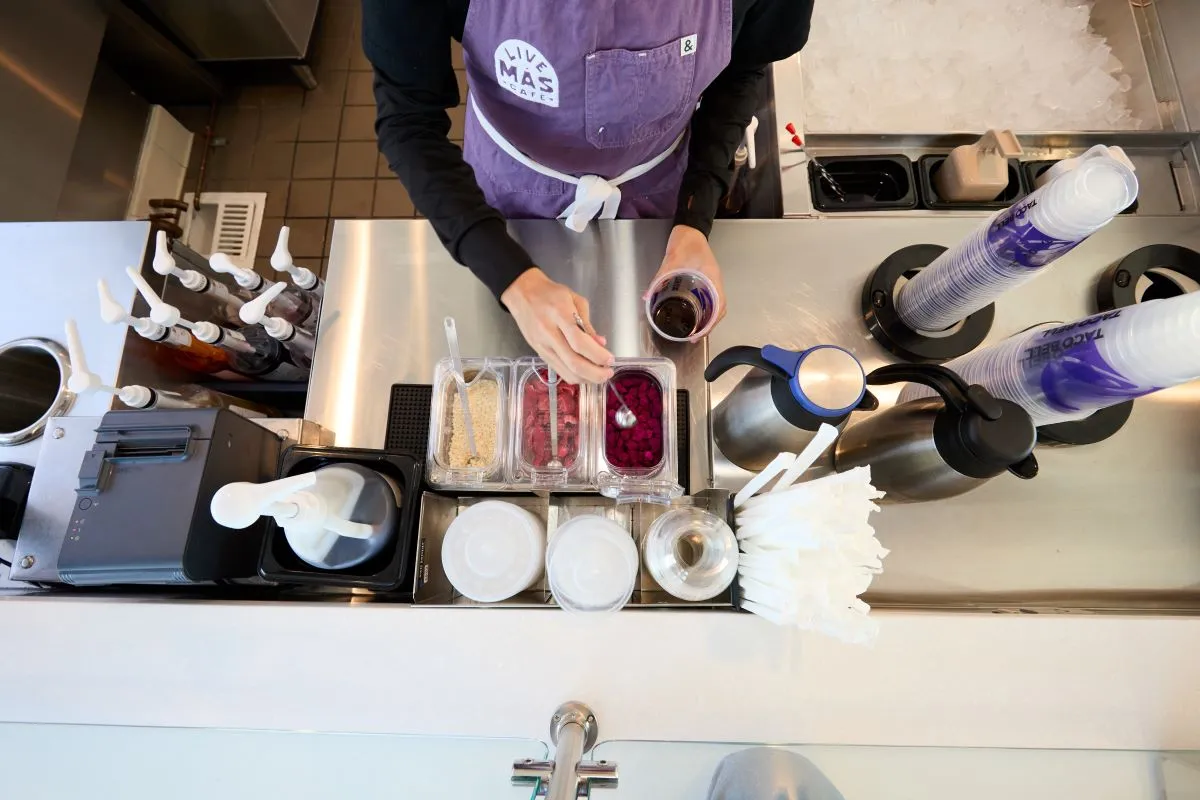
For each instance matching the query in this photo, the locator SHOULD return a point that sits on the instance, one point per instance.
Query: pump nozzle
(238, 505)
(111, 311)
(255, 312)
(114, 313)
(160, 312)
(81, 379)
(282, 261)
(164, 264)
(245, 278)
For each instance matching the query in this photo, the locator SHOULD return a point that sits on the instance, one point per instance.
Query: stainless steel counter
(390, 284)
(1112, 526)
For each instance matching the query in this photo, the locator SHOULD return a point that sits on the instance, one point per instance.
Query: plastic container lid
(493, 550)
(592, 564)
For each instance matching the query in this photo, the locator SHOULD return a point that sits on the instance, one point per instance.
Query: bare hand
(688, 249)
(545, 312)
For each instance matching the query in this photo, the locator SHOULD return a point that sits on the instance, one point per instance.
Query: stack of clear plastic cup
(691, 553)
(1060, 373)
(1016, 243)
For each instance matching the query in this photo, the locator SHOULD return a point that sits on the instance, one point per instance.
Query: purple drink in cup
(681, 306)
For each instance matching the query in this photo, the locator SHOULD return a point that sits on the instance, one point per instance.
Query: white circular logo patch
(523, 70)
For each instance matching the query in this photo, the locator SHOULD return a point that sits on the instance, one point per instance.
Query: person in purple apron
(578, 110)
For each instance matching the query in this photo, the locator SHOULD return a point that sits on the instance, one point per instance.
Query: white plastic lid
(493, 550)
(592, 564)
(1086, 197)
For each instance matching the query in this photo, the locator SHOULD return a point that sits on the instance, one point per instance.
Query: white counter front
(932, 679)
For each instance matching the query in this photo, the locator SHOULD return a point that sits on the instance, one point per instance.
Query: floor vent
(227, 222)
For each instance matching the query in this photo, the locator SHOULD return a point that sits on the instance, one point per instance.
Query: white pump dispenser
(245, 278)
(160, 312)
(114, 313)
(164, 264)
(83, 381)
(282, 261)
(164, 313)
(315, 510)
(255, 312)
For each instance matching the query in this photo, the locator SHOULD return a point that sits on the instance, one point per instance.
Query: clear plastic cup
(692, 554)
(1015, 244)
(494, 550)
(1063, 372)
(591, 565)
(681, 306)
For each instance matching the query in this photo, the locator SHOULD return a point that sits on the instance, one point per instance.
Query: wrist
(522, 285)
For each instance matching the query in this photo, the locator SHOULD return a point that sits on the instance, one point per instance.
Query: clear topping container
(639, 463)
(449, 461)
(534, 463)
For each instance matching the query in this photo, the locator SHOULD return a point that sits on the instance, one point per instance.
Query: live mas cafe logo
(523, 70)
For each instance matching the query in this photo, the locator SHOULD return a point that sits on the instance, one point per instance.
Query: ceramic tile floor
(313, 152)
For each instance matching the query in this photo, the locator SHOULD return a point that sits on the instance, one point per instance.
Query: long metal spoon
(625, 418)
(552, 379)
(456, 363)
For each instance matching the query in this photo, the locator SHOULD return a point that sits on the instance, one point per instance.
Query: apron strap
(594, 195)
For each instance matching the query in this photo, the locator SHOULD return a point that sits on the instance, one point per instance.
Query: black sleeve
(408, 44)
(766, 31)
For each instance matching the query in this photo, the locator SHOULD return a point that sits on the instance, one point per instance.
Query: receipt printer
(141, 504)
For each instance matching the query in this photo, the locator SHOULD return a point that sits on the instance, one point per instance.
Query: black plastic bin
(871, 183)
(393, 568)
(928, 167)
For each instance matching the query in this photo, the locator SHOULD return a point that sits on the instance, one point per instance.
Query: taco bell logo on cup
(682, 306)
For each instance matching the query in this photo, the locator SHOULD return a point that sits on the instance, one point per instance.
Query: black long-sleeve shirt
(408, 43)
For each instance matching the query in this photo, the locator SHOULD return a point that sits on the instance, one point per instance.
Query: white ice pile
(961, 65)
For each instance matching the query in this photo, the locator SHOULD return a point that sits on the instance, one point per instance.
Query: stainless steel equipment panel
(1110, 526)
(390, 283)
(1113, 526)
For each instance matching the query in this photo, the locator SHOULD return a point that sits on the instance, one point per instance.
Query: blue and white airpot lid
(826, 380)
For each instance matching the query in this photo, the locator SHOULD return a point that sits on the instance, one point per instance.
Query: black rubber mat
(408, 419)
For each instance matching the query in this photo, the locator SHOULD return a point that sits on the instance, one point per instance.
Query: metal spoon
(625, 418)
(456, 362)
(552, 380)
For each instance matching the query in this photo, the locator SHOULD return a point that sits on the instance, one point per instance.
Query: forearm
(718, 127)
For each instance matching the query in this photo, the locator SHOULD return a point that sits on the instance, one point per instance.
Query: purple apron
(581, 108)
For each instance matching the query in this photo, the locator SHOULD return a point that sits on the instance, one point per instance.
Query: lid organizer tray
(432, 588)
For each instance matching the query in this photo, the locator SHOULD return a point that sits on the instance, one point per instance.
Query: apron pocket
(634, 95)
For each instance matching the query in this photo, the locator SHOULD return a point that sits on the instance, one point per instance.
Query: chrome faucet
(573, 731)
